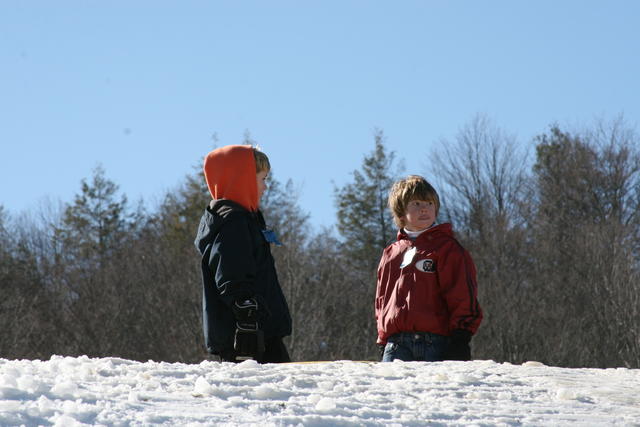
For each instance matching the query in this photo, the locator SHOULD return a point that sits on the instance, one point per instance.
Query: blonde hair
(262, 161)
(413, 187)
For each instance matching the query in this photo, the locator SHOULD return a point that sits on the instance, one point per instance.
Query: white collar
(413, 234)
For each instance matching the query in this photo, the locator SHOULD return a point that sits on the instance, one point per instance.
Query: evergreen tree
(366, 227)
(181, 210)
(96, 222)
(364, 219)
(91, 283)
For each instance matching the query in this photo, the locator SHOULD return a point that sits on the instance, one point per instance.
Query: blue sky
(140, 87)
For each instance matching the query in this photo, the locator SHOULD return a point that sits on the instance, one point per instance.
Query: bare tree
(28, 310)
(585, 235)
(483, 184)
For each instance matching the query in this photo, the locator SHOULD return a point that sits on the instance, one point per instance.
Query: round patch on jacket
(426, 265)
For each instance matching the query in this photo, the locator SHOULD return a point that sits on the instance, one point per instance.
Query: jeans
(415, 347)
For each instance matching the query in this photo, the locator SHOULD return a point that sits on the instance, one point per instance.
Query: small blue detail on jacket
(270, 237)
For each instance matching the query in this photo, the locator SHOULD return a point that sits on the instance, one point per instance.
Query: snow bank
(66, 391)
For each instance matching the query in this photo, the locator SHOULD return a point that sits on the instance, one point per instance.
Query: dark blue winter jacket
(237, 263)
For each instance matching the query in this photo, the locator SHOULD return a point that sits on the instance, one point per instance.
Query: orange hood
(230, 173)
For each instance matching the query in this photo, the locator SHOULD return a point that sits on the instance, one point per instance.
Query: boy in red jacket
(426, 296)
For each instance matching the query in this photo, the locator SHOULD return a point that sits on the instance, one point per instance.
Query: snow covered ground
(69, 391)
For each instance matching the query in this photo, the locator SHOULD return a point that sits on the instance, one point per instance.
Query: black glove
(245, 310)
(459, 348)
(249, 339)
(381, 348)
(250, 310)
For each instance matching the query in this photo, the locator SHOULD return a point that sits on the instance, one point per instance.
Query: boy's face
(261, 180)
(420, 214)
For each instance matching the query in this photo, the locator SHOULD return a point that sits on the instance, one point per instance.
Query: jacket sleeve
(379, 290)
(457, 275)
(379, 301)
(232, 261)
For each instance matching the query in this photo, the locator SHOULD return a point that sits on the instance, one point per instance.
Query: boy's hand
(245, 310)
(249, 310)
(459, 348)
(249, 341)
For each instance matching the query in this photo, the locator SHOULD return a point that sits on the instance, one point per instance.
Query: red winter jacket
(436, 291)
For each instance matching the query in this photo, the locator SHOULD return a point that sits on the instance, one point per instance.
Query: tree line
(554, 233)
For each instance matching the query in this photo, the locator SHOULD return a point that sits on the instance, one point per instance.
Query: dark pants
(274, 352)
(415, 347)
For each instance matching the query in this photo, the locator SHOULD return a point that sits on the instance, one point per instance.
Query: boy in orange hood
(245, 313)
